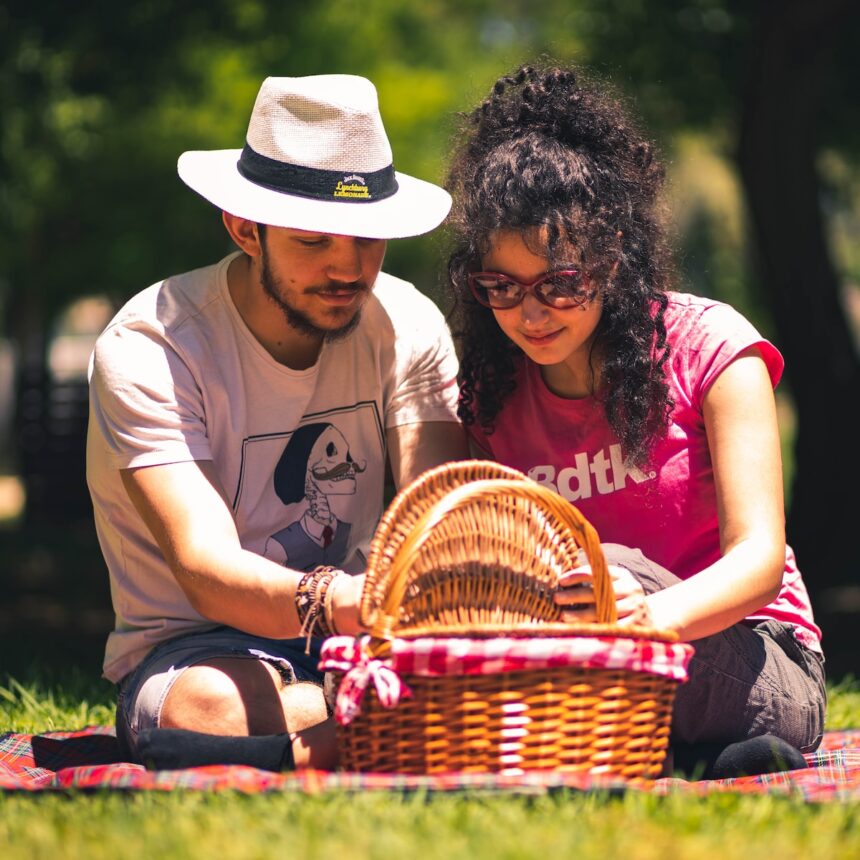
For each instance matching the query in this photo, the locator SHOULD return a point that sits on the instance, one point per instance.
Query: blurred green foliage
(97, 101)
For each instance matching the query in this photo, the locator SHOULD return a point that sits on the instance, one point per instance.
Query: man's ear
(244, 233)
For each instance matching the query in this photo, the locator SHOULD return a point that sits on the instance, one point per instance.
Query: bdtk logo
(579, 481)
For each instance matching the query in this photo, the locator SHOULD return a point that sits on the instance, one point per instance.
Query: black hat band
(351, 186)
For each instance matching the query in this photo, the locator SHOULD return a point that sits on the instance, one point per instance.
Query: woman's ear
(244, 233)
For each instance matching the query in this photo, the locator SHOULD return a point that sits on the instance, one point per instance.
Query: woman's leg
(744, 682)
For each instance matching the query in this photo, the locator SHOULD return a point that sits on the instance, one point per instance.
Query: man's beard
(294, 317)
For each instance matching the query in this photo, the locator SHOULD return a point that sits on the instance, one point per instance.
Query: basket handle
(476, 492)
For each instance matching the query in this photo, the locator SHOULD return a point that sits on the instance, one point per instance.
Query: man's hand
(346, 602)
(576, 597)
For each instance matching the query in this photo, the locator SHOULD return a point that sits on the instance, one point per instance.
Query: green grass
(843, 704)
(340, 826)
(634, 827)
(41, 705)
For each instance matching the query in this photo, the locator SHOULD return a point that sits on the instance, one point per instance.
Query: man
(242, 416)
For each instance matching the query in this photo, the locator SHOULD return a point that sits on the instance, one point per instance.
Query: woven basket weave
(474, 549)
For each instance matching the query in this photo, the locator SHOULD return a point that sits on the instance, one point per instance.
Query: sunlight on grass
(37, 706)
(843, 704)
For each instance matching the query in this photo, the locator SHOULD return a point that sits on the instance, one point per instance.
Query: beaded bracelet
(304, 597)
(308, 594)
(323, 588)
(311, 594)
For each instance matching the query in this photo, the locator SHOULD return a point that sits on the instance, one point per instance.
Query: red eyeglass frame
(531, 287)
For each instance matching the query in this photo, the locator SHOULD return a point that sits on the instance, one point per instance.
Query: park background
(753, 105)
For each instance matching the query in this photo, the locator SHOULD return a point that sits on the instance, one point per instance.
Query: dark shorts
(143, 691)
(748, 680)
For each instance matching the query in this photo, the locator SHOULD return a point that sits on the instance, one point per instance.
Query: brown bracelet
(322, 627)
(311, 595)
(305, 597)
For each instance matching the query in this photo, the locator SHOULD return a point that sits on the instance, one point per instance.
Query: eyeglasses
(566, 288)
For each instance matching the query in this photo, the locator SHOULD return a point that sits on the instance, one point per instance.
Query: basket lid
(474, 545)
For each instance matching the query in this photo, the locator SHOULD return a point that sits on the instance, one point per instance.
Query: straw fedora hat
(317, 158)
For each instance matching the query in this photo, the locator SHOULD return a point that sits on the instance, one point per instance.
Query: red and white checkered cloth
(435, 657)
(90, 759)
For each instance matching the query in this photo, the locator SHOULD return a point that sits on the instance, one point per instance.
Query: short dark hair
(292, 468)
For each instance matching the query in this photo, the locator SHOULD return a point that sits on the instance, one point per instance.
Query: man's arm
(185, 509)
(414, 448)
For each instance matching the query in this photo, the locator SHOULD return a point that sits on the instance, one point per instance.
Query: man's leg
(227, 684)
(243, 697)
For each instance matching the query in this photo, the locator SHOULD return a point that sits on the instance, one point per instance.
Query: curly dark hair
(548, 149)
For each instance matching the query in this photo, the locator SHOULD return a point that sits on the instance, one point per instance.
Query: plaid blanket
(89, 759)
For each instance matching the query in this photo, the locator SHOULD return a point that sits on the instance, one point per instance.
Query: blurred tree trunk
(777, 155)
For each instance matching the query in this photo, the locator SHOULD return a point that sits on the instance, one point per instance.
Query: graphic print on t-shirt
(316, 465)
(311, 496)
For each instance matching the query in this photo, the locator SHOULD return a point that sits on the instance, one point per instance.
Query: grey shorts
(748, 680)
(143, 691)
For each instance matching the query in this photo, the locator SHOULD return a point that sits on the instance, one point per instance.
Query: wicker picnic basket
(458, 602)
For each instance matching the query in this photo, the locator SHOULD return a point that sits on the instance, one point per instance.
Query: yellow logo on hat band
(352, 186)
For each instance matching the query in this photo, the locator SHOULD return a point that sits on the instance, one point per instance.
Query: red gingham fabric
(349, 655)
(436, 657)
(489, 656)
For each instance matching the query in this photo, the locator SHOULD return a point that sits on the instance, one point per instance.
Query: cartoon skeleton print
(315, 465)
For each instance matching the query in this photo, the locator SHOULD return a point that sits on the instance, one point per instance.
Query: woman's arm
(741, 426)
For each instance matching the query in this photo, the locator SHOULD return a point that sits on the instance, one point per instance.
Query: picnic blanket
(89, 759)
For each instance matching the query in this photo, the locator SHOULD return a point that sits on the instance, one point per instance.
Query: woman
(651, 410)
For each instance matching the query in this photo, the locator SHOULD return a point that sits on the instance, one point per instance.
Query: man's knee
(226, 697)
(304, 706)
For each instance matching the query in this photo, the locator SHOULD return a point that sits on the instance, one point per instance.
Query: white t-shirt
(178, 376)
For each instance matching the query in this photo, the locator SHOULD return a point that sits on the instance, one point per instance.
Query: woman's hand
(576, 597)
(630, 603)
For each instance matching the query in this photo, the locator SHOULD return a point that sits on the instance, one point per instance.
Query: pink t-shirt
(670, 512)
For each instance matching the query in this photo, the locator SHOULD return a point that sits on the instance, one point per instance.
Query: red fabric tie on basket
(349, 655)
(438, 657)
